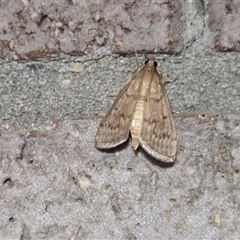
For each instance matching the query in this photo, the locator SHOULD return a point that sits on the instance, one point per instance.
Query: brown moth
(141, 108)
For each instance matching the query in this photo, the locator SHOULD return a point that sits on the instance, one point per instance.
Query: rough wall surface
(31, 29)
(61, 61)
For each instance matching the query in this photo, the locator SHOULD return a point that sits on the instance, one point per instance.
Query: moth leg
(101, 114)
(175, 112)
(165, 75)
(112, 95)
(171, 79)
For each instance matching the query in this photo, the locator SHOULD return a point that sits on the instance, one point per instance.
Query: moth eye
(146, 62)
(155, 64)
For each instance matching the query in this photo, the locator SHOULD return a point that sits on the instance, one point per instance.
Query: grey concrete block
(63, 187)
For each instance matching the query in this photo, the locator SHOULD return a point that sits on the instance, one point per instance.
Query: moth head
(151, 59)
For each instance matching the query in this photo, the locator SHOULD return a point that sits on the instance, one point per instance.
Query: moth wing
(158, 134)
(115, 125)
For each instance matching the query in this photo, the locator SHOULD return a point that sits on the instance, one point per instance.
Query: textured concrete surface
(33, 94)
(58, 185)
(54, 183)
(31, 29)
(227, 26)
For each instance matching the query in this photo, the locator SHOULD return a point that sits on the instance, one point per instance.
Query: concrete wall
(60, 62)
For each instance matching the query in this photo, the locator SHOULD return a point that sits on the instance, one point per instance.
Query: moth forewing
(142, 108)
(115, 125)
(158, 135)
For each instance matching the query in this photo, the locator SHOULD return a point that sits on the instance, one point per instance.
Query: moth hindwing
(142, 109)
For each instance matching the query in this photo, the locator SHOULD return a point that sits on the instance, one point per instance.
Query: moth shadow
(151, 159)
(118, 148)
(154, 161)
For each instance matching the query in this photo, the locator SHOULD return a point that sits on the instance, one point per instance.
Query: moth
(142, 110)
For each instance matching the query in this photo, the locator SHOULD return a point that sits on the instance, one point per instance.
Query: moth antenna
(140, 64)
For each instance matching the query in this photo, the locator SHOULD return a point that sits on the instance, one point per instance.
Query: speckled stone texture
(31, 29)
(61, 62)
